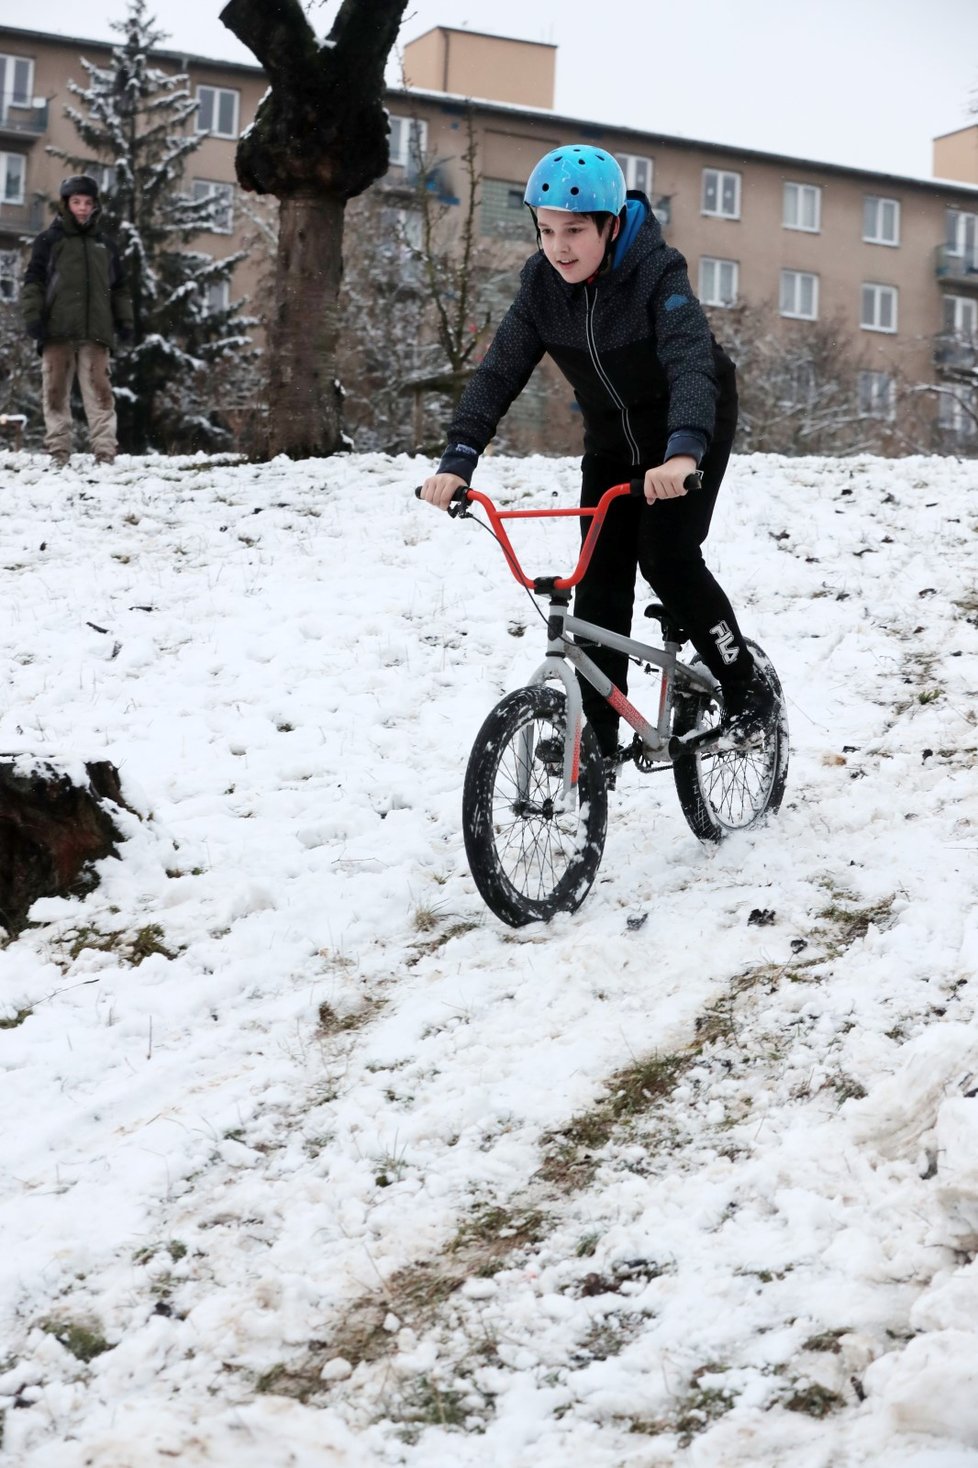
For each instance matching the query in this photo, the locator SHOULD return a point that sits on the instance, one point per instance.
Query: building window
(12, 173)
(718, 282)
(878, 311)
(798, 386)
(16, 82)
(957, 412)
(962, 237)
(9, 272)
(503, 211)
(721, 193)
(402, 242)
(222, 217)
(638, 172)
(957, 345)
(217, 111)
(408, 141)
(799, 294)
(662, 210)
(217, 296)
(876, 395)
(802, 207)
(405, 228)
(961, 317)
(881, 220)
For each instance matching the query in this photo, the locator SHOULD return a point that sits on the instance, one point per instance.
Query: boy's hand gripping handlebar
(463, 497)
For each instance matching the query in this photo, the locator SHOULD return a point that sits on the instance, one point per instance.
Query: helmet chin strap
(613, 234)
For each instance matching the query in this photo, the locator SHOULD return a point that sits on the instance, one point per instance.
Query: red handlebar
(596, 513)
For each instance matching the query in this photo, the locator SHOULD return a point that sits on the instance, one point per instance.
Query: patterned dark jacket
(75, 288)
(634, 344)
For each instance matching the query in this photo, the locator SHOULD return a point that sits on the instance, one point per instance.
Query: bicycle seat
(671, 630)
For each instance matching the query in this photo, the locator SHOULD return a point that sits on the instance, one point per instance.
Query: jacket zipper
(589, 305)
(88, 290)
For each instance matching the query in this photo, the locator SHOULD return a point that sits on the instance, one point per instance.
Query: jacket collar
(637, 211)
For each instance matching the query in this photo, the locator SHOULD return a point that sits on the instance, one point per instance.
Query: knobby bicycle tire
(732, 790)
(529, 859)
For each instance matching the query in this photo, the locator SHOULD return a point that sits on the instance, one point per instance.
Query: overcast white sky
(867, 83)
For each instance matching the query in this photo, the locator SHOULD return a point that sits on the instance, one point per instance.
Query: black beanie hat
(79, 183)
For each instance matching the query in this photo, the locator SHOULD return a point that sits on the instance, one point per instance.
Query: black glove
(35, 330)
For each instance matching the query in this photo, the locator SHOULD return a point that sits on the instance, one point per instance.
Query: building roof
(161, 53)
(461, 30)
(588, 130)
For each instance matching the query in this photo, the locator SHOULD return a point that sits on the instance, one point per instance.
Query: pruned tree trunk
(319, 138)
(304, 400)
(51, 831)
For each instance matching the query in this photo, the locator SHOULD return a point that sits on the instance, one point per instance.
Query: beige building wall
(471, 64)
(956, 155)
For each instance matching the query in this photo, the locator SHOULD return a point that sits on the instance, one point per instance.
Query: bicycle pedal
(713, 741)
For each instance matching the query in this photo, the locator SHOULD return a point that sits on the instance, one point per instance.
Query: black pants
(664, 541)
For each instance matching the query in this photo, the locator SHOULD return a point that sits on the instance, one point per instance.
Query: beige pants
(62, 361)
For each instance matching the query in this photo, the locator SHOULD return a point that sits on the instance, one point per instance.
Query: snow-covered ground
(308, 1160)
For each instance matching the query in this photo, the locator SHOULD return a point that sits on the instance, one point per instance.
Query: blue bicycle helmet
(578, 179)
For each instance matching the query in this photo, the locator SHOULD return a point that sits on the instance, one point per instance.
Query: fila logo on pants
(724, 639)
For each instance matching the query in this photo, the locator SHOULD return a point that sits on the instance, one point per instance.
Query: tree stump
(51, 831)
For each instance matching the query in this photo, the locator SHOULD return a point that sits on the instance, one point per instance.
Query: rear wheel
(529, 857)
(731, 790)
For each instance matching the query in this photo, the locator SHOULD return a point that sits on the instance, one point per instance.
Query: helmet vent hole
(575, 189)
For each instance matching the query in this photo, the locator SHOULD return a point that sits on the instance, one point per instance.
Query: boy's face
(81, 206)
(572, 243)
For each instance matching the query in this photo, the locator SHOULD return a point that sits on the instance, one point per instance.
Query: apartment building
(890, 261)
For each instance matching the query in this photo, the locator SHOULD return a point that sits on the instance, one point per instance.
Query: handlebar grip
(692, 482)
(456, 505)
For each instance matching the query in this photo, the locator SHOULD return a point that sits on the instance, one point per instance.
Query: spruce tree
(135, 126)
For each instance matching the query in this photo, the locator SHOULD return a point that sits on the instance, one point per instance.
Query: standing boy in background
(75, 301)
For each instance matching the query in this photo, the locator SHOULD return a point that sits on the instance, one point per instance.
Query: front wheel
(731, 790)
(529, 856)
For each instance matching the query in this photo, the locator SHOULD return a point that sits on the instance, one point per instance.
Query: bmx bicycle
(535, 797)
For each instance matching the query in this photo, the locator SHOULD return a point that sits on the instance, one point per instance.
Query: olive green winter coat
(75, 288)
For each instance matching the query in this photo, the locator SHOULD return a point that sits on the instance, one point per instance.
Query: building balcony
(27, 218)
(956, 353)
(409, 180)
(961, 269)
(26, 124)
